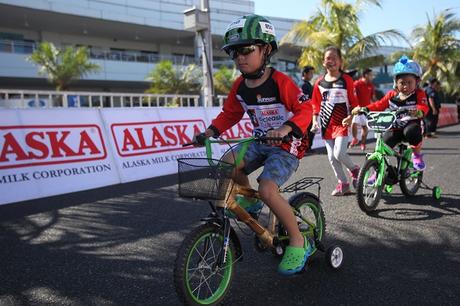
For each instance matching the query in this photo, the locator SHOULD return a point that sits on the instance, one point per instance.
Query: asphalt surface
(117, 245)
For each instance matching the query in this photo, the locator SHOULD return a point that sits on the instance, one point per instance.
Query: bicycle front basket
(202, 178)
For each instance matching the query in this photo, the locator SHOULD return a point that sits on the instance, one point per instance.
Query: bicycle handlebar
(200, 139)
(366, 111)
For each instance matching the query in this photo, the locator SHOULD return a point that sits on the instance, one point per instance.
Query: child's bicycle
(378, 174)
(205, 263)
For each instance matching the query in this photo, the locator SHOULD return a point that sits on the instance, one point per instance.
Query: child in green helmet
(276, 107)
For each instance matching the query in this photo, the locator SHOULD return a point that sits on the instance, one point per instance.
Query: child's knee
(267, 189)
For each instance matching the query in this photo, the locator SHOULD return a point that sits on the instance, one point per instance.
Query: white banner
(53, 151)
(46, 152)
(147, 142)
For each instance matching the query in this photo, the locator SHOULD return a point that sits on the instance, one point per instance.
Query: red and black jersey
(276, 102)
(392, 101)
(364, 91)
(333, 102)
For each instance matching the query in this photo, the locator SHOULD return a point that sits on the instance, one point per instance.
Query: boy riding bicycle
(406, 96)
(276, 107)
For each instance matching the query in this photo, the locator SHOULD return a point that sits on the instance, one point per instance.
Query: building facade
(125, 38)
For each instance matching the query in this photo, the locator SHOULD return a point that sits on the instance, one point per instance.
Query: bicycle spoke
(205, 280)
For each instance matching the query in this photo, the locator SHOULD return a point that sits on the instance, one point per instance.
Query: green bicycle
(205, 263)
(378, 174)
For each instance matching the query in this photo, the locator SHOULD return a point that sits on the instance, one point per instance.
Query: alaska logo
(25, 146)
(139, 138)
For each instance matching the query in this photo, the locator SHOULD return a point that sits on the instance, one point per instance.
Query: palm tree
(62, 66)
(337, 23)
(223, 79)
(437, 49)
(169, 79)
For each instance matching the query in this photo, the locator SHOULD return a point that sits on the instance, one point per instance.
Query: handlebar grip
(363, 111)
(198, 140)
(401, 111)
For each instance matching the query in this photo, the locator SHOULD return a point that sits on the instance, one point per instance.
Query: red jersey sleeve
(316, 97)
(352, 99)
(231, 113)
(422, 101)
(294, 101)
(383, 103)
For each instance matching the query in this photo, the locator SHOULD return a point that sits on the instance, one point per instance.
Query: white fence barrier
(10, 98)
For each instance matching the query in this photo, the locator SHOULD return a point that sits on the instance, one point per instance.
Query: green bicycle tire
(310, 209)
(189, 285)
(368, 196)
(413, 177)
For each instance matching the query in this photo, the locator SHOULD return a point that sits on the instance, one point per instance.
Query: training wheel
(334, 257)
(436, 192)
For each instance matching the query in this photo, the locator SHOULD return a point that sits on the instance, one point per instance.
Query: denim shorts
(278, 164)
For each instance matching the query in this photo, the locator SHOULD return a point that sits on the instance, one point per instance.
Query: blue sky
(402, 15)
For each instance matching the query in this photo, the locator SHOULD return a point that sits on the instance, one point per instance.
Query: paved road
(116, 246)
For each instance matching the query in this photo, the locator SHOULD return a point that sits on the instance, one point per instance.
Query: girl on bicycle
(276, 107)
(333, 98)
(406, 96)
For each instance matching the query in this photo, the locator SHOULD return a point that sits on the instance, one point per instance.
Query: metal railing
(17, 46)
(10, 98)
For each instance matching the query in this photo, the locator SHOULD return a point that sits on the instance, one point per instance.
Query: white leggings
(337, 155)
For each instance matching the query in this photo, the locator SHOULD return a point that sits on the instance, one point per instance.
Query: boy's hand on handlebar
(416, 113)
(199, 139)
(278, 133)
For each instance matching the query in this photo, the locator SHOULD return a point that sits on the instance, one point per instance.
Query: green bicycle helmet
(250, 30)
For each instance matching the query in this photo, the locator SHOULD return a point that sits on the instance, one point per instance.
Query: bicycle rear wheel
(310, 217)
(200, 277)
(410, 180)
(368, 193)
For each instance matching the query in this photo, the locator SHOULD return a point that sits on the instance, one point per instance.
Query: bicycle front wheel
(368, 193)
(200, 276)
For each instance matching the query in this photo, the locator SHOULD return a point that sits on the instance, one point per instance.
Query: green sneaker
(295, 258)
(252, 206)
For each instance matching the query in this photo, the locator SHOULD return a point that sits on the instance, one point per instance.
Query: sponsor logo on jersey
(261, 99)
(303, 97)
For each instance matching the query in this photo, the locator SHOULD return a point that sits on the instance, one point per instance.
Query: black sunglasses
(242, 50)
